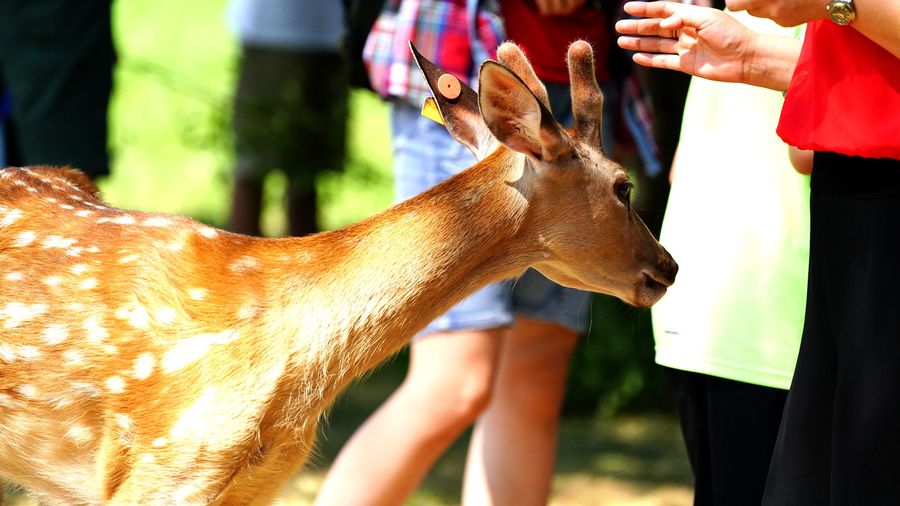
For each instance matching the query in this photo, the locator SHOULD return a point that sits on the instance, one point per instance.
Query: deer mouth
(652, 287)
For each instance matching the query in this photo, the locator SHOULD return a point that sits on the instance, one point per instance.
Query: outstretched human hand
(700, 41)
(706, 42)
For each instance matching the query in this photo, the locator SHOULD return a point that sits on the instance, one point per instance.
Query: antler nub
(511, 55)
(587, 100)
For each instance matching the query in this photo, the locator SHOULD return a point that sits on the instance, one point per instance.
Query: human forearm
(879, 20)
(772, 61)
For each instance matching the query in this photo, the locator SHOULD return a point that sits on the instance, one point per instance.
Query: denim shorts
(425, 155)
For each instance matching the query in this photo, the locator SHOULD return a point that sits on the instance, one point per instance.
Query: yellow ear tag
(430, 110)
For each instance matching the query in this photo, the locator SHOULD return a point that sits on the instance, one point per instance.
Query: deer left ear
(458, 105)
(516, 117)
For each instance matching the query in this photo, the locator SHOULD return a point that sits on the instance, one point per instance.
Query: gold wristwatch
(841, 12)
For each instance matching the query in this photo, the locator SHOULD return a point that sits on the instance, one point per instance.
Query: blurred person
(500, 357)
(290, 106)
(56, 62)
(728, 333)
(836, 443)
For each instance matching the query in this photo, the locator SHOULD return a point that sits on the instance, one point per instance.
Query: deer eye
(623, 191)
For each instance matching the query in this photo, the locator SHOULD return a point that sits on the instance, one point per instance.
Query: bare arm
(706, 43)
(879, 20)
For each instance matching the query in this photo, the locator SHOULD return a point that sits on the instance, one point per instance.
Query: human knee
(454, 399)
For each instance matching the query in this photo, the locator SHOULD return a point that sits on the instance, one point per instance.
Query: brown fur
(149, 359)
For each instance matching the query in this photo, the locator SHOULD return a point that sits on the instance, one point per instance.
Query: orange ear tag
(449, 86)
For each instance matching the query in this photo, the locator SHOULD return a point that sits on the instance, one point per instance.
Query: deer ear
(516, 117)
(458, 105)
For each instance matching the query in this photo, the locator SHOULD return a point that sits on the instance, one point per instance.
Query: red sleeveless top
(844, 96)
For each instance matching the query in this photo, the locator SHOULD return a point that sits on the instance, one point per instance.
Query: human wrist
(771, 61)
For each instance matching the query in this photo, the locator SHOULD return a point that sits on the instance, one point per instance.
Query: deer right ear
(516, 117)
(458, 105)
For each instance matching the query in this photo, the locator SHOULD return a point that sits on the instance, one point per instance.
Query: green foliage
(612, 369)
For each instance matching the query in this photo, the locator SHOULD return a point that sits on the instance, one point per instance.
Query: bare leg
(512, 454)
(448, 385)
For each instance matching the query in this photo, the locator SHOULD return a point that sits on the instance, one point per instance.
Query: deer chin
(647, 292)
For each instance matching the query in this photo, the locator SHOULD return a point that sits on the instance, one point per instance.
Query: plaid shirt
(454, 34)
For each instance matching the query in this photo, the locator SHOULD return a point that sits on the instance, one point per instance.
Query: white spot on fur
(67, 207)
(24, 239)
(7, 353)
(136, 315)
(197, 293)
(55, 241)
(14, 276)
(79, 269)
(160, 442)
(74, 306)
(93, 249)
(157, 221)
(80, 434)
(10, 217)
(175, 246)
(51, 200)
(96, 332)
(143, 366)
(193, 423)
(165, 315)
(208, 232)
(125, 219)
(16, 313)
(53, 281)
(83, 213)
(27, 391)
(55, 333)
(28, 352)
(129, 258)
(244, 264)
(88, 284)
(73, 357)
(122, 421)
(191, 349)
(74, 251)
(246, 311)
(147, 458)
(115, 384)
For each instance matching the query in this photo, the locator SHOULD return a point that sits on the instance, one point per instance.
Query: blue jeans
(425, 155)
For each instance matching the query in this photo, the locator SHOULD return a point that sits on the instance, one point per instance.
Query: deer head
(593, 239)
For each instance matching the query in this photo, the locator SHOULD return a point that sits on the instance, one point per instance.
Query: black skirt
(839, 441)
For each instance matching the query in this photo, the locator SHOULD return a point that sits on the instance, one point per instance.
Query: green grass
(169, 118)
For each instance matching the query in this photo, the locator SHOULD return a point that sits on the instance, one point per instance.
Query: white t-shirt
(737, 223)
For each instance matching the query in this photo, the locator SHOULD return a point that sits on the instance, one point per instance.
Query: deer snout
(664, 271)
(656, 279)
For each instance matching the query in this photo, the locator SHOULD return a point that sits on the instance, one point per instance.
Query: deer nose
(667, 269)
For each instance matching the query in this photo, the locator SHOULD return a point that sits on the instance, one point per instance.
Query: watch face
(841, 13)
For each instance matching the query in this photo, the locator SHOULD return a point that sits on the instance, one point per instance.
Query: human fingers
(659, 61)
(646, 27)
(648, 44)
(651, 9)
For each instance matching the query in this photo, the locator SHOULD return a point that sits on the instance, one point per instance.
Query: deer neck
(389, 276)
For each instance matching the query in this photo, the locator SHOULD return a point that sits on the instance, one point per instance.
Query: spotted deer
(150, 359)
